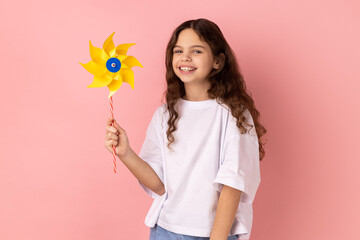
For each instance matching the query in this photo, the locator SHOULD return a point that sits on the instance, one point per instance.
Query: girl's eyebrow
(193, 46)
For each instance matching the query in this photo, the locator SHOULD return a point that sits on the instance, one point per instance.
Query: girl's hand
(116, 136)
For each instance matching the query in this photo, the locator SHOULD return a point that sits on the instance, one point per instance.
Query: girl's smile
(185, 69)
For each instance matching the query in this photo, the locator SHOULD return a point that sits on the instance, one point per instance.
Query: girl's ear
(219, 61)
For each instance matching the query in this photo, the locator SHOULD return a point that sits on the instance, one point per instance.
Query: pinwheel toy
(111, 67)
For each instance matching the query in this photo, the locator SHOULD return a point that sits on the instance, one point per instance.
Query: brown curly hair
(227, 84)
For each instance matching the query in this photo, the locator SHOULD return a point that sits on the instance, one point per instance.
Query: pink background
(300, 60)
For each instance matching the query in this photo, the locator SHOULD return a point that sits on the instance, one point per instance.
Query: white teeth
(186, 69)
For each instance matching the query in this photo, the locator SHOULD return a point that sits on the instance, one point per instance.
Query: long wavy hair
(227, 84)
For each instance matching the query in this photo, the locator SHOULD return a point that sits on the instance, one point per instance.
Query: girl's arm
(225, 214)
(143, 172)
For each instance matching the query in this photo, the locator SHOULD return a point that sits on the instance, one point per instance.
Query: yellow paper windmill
(111, 66)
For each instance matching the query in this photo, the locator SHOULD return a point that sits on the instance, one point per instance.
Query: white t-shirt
(209, 151)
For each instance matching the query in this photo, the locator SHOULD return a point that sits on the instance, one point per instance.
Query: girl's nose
(185, 58)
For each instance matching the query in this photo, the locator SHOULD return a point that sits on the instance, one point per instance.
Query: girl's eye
(177, 51)
(197, 51)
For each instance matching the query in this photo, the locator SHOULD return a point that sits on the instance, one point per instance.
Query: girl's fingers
(116, 128)
(111, 142)
(111, 129)
(109, 121)
(113, 136)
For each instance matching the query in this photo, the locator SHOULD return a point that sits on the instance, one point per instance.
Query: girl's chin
(191, 81)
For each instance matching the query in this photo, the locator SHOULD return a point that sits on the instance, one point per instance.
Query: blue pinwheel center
(113, 65)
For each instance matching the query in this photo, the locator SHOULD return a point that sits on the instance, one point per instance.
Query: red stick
(112, 124)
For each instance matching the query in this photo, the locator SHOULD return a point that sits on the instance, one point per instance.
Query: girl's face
(192, 58)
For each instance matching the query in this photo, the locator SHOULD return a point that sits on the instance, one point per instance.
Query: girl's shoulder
(245, 112)
(161, 110)
(232, 120)
(160, 115)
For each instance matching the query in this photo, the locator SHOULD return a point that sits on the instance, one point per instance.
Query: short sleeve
(151, 150)
(240, 165)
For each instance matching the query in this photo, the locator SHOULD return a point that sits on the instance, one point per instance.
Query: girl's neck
(196, 92)
(196, 97)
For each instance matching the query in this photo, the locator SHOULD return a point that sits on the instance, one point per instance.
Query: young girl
(200, 158)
